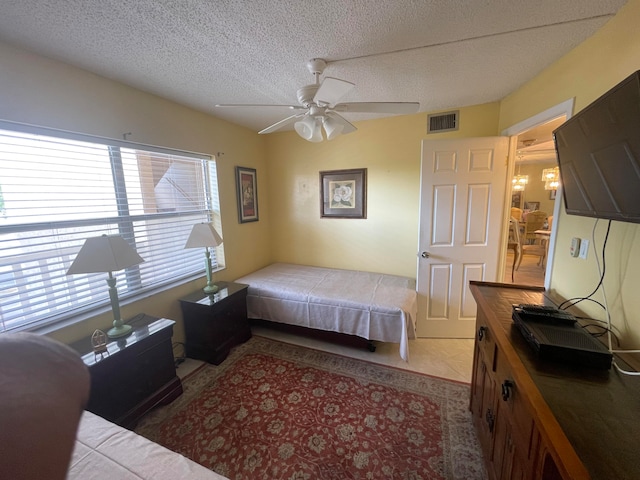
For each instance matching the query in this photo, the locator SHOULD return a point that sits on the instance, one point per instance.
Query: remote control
(543, 313)
(532, 307)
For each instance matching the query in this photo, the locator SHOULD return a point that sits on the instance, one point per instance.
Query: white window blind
(57, 189)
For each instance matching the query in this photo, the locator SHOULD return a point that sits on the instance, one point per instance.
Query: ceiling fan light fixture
(309, 129)
(332, 128)
(320, 100)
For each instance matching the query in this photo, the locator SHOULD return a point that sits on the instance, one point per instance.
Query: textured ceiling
(441, 53)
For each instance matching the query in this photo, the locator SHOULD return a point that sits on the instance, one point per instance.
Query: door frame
(565, 108)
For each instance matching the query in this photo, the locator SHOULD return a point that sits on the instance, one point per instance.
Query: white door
(461, 203)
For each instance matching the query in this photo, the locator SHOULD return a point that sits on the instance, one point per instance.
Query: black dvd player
(555, 335)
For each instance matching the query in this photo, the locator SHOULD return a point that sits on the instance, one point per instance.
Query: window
(58, 188)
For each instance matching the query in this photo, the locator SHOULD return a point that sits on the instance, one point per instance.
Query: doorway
(534, 198)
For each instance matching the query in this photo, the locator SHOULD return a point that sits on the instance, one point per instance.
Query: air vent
(443, 122)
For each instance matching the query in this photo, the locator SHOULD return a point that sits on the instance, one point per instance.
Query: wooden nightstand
(136, 375)
(213, 324)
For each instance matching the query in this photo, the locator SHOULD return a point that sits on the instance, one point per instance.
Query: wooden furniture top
(225, 290)
(143, 325)
(594, 414)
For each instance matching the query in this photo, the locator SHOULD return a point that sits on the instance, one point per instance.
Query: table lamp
(107, 253)
(204, 235)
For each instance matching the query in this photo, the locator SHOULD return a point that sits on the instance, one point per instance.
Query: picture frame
(247, 194)
(343, 193)
(516, 199)
(532, 206)
(552, 194)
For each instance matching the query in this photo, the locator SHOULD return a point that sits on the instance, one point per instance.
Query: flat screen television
(598, 151)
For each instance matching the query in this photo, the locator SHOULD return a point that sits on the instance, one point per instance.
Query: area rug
(273, 410)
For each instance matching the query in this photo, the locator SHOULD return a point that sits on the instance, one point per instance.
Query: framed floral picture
(247, 192)
(343, 193)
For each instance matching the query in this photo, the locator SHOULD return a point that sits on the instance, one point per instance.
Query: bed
(45, 433)
(372, 306)
(104, 451)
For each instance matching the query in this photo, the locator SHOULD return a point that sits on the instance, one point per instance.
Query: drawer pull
(481, 333)
(490, 418)
(506, 389)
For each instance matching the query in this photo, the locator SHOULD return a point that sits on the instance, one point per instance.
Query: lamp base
(119, 331)
(210, 289)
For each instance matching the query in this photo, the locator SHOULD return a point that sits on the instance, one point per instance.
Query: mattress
(106, 451)
(374, 306)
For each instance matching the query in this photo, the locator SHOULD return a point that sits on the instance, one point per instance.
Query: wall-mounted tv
(598, 151)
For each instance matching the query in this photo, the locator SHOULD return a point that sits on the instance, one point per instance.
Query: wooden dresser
(541, 420)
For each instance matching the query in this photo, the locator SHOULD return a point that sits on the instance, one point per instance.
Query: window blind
(57, 189)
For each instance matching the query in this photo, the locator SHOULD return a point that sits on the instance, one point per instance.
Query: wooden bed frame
(333, 337)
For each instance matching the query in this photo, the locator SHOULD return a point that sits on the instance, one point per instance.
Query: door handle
(424, 254)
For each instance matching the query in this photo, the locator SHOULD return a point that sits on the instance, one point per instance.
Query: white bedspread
(106, 451)
(370, 305)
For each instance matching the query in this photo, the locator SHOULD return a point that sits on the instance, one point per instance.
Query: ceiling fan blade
(378, 107)
(226, 105)
(331, 90)
(282, 123)
(335, 125)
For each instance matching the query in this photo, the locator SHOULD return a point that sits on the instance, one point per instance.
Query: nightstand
(137, 374)
(213, 324)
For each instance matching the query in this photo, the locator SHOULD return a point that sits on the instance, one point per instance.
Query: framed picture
(532, 206)
(343, 193)
(247, 192)
(516, 199)
(552, 194)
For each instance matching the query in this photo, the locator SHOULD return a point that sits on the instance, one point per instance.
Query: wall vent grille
(443, 122)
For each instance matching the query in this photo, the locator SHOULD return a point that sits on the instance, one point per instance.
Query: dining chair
(514, 243)
(535, 221)
(537, 248)
(516, 213)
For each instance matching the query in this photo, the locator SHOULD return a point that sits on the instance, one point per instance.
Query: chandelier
(519, 181)
(551, 178)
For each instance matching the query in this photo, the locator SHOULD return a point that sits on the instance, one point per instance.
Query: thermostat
(575, 247)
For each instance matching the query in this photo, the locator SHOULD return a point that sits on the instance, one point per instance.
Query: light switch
(584, 248)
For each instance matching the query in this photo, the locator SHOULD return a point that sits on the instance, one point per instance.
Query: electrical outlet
(584, 248)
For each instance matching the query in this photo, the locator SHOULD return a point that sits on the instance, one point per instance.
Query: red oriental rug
(273, 410)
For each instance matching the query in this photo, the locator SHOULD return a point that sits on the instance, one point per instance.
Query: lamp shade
(309, 129)
(203, 235)
(332, 128)
(107, 253)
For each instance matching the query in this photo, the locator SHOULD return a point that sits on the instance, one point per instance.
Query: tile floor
(445, 358)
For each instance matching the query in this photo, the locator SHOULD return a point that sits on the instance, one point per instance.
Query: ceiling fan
(318, 109)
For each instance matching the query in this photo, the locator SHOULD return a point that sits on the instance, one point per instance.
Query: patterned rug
(273, 410)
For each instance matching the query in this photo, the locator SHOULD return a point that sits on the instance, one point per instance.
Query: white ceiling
(441, 53)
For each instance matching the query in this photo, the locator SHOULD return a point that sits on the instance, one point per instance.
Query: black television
(598, 151)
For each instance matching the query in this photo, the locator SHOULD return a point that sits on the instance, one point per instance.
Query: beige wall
(585, 73)
(43, 92)
(387, 240)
